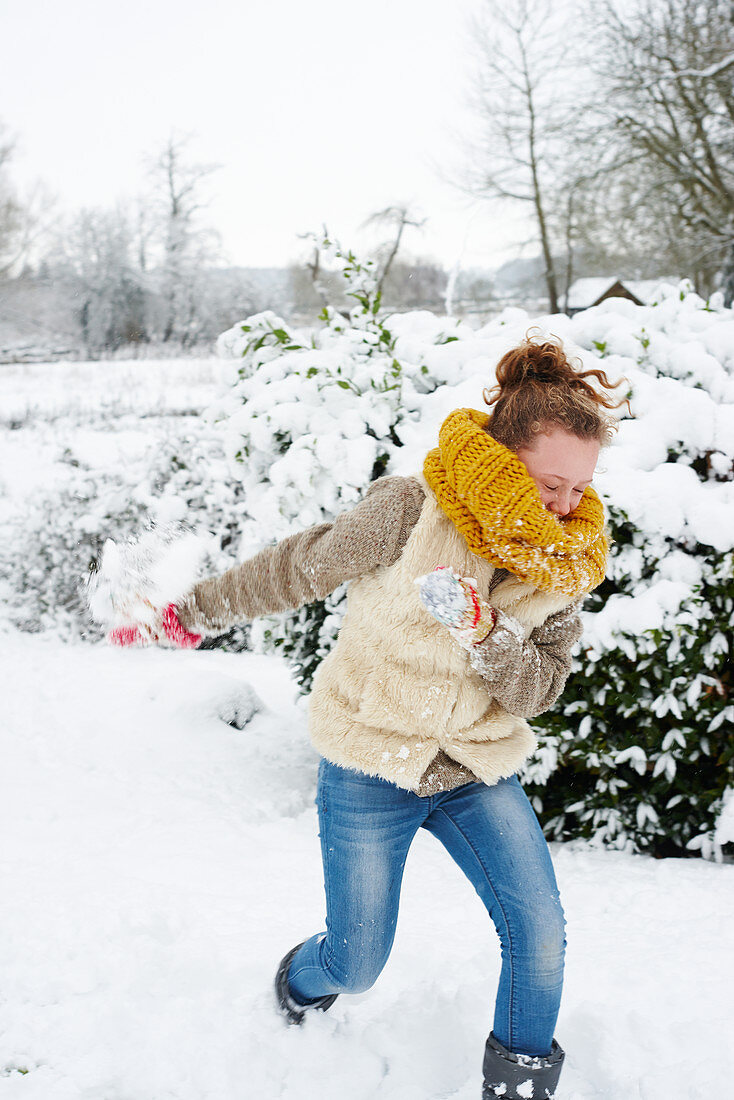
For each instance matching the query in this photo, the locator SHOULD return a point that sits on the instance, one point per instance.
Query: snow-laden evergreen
(90, 453)
(638, 752)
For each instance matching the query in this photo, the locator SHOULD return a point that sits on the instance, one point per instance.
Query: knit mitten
(176, 633)
(127, 635)
(455, 602)
(165, 629)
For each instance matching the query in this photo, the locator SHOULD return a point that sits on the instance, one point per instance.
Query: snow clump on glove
(134, 588)
(455, 602)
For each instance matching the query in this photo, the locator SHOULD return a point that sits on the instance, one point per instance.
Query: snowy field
(158, 862)
(52, 391)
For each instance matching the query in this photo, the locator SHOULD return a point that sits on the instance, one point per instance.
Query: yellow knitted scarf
(489, 496)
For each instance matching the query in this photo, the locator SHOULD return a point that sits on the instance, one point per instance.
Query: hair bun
(532, 360)
(538, 385)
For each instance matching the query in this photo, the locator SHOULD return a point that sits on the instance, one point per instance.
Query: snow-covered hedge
(638, 753)
(312, 421)
(95, 476)
(641, 748)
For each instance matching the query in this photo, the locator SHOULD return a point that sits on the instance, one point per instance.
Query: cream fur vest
(397, 687)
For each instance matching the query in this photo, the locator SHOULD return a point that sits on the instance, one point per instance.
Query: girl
(419, 712)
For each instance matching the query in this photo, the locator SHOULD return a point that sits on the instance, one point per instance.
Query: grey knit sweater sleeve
(527, 675)
(308, 566)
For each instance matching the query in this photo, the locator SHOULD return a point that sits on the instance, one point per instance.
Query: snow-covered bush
(641, 747)
(638, 753)
(110, 480)
(312, 421)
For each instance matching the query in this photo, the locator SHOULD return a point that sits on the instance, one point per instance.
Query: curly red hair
(539, 387)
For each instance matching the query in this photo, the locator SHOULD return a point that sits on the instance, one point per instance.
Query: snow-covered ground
(157, 862)
(50, 391)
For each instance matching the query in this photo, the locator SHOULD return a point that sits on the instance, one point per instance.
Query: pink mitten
(167, 629)
(127, 635)
(177, 634)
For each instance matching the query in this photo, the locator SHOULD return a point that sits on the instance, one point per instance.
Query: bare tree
(415, 284)
(95, 259)
(526, 117)
(21, 220)
(10, 213)
(315, 285)
(666, 72)
(186, 245)
(397, 218)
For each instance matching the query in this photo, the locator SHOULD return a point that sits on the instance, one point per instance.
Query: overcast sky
(317, 111)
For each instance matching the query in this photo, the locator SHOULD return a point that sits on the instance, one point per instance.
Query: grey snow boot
(289, 1007)
(520, 1076)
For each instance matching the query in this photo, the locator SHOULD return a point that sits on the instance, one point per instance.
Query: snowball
(441, 594)
(136, 579)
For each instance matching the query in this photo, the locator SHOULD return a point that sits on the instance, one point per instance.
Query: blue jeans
(367, 825)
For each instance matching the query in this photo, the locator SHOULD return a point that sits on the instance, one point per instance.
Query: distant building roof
(589, 292)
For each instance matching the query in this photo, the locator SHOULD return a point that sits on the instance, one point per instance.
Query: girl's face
(561, 465)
